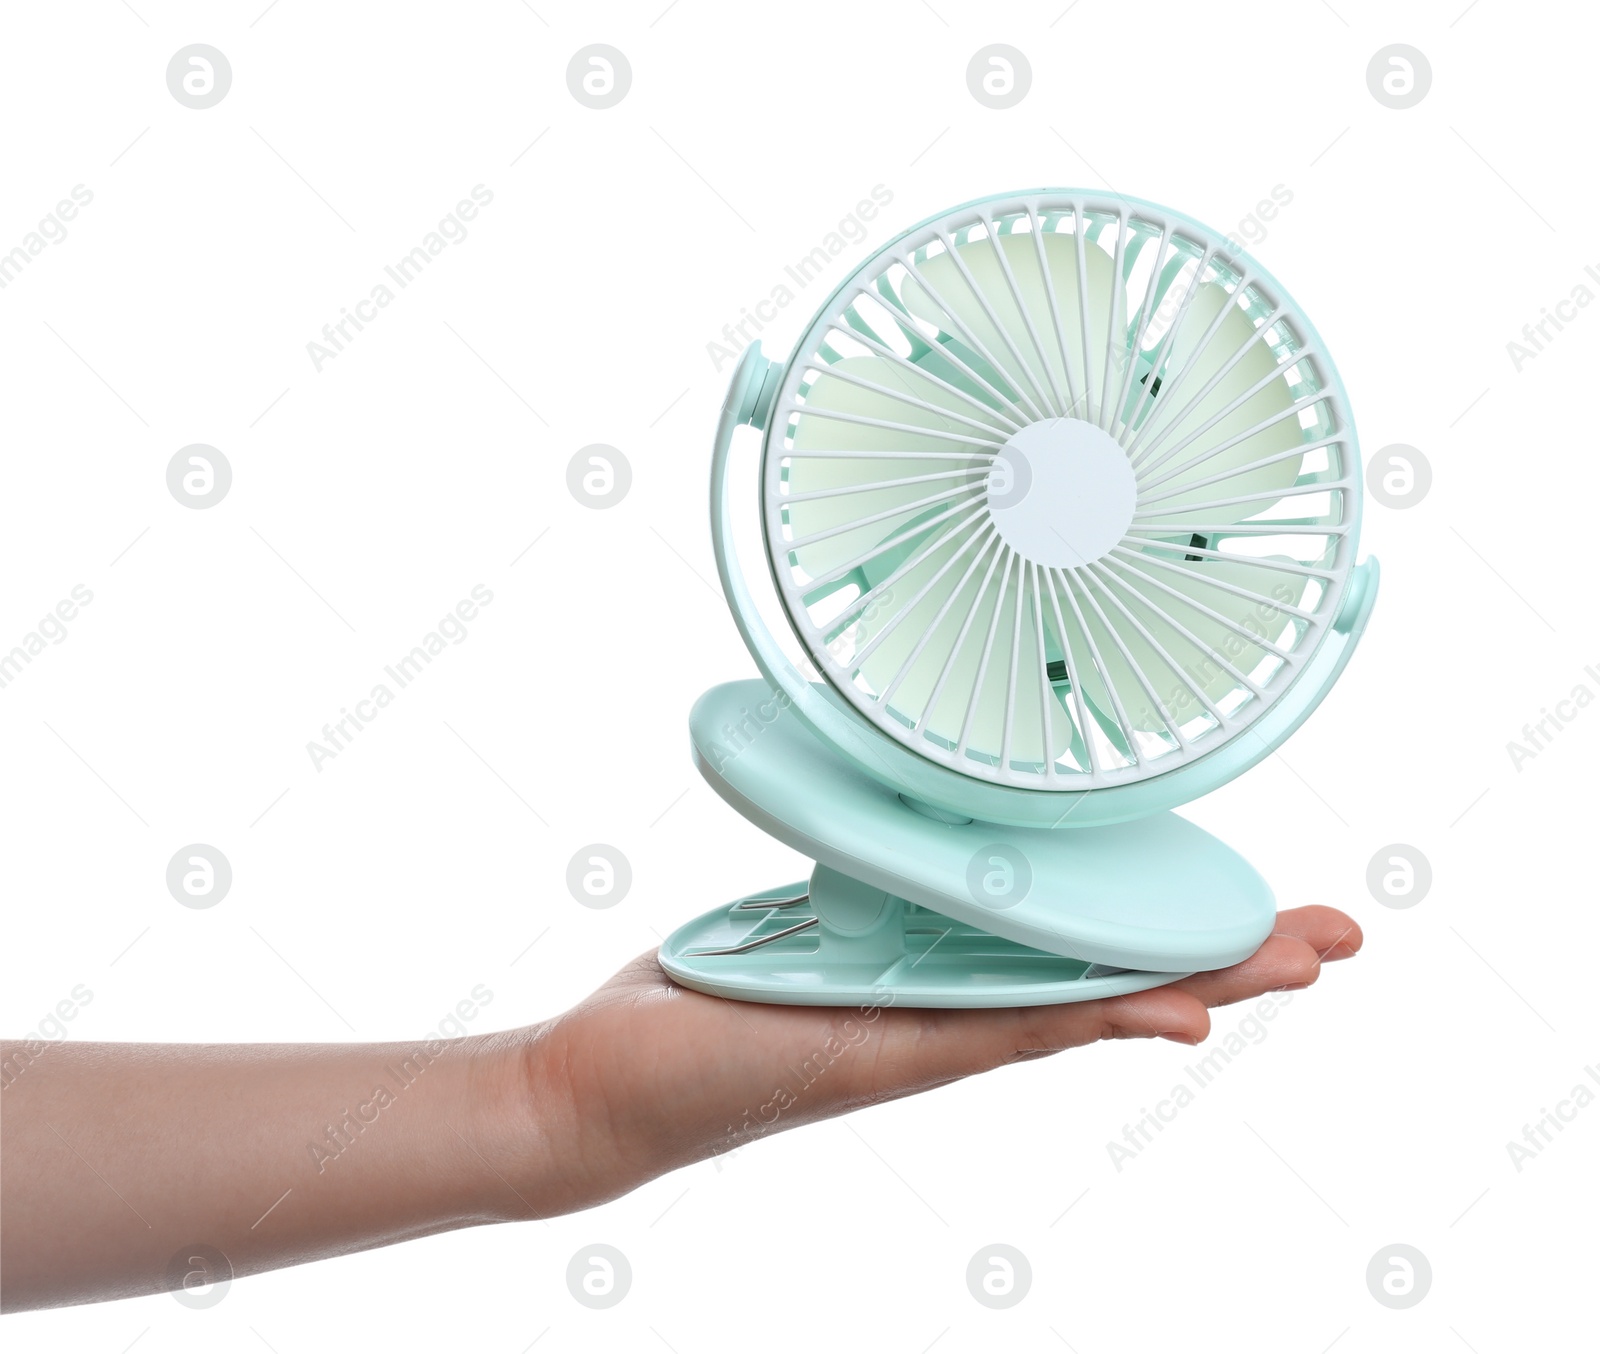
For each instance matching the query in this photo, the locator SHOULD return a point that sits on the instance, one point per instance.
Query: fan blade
(1163, 456)
(1047, 330)
(918, 648)
(962, 444)
(1139, 592)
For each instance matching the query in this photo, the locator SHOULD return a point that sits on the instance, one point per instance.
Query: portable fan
(1060, 496)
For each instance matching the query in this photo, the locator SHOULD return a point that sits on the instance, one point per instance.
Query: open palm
(653, 1076)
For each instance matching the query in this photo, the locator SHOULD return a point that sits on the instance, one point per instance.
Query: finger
(1292, 957)
(1283, 961)
(1327, 930)
(919, 1049)
(951, 1044)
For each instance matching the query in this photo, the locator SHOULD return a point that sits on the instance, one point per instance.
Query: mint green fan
(1060, 497)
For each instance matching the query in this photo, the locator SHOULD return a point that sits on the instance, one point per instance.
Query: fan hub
(1062, 492)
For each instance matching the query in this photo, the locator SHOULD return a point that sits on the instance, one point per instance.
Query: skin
(119, 1159)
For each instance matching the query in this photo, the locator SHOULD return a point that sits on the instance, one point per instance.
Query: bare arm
(126, 1167)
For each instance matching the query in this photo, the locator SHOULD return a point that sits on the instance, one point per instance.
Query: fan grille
(1060, 492)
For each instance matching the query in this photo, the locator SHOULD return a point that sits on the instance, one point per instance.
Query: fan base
(835, 942)
(930, 909)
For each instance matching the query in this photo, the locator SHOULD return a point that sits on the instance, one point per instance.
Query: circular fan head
(1060, 491)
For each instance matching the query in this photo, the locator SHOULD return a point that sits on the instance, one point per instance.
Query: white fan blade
(960, 439)
(1200, 654)
(916, 643)
(1054, 375)
(1187, 372)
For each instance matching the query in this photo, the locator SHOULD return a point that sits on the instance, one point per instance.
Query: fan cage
(998, 377)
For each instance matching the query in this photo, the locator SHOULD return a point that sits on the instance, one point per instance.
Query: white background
(369, 498)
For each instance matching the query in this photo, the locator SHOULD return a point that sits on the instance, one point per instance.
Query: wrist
(522, 1147)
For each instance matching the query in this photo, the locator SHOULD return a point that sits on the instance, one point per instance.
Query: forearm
(121, 1159)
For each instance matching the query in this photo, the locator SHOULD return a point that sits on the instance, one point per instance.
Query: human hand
(645, 1076)
(120, 1158)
